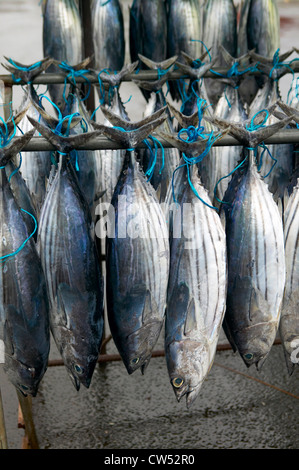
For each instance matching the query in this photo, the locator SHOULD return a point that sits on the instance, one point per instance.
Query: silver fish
(289, 321)
(71, 265)
(196, 297)
(259, 29)
(24, 321)
(256, 259)
(137, 267)
(62, 40)
(277, 168)
(184, 32)
(219, 29)
(108, 35)
(35, 166)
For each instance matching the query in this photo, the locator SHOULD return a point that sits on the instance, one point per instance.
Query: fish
(259, 29)
(289, 321)
(255, 251)
(84, 161)
(277, 163)
(24, 319)
(221, 161)
(184, 33)
(137, 267)
(35, 166)
(70, 261)
(196, 295)
(219, 29)
(108, 35)
(62, 38)
(148, 32)
(159, 164)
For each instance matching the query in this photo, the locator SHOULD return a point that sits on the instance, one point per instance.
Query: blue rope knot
(253, 127)
(23, 69)
(71, 76)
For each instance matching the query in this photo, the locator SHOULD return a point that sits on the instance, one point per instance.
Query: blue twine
(226, 176)
(72, 76)
(2, 258)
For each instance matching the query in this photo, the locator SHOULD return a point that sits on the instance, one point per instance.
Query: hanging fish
(83, 161)
(148, 32)
(70, 261)
(196, 296)
(108, 35)
(24, 320)
(219, 29)
(137, 268)
(289, 321)
(137, 254)
(159, 165)
(216, 169)
(255, 250)
(184, 33)
(276, 164)
(259, 29)
(62, 40)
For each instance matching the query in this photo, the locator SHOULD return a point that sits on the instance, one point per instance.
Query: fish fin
(150, 308)
(184, 120)
(152, 86)
(6, 153)
(29, 73)
(198, 72)
(258, 306)
(164, 65)
(131, 138)
(190, 60)
(117, 121)
(53, 122)
(191, 323)
(61, 143)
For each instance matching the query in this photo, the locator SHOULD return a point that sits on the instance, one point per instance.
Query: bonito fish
(24, 320)
(196, 297)
(62, 40)
(70, 261)
(289, 321)
(255, 250)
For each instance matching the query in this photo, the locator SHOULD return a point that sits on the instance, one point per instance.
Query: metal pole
(99, 142)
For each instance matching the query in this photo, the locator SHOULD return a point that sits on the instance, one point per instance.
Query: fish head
(79, 361)
(139, 346)
(26, 379)
(256, 342)
(188, 364)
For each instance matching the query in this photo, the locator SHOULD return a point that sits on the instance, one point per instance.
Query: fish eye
(177, 382)
(24, 387)
(78, 369)
(135, 360)
(248, 356)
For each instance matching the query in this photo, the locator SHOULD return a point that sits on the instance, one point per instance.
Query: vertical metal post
(85, 10)
(3, 437)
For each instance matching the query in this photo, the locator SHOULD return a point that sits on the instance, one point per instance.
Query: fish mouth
(190, 392)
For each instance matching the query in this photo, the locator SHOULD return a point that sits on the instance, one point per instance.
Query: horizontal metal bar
(52, 78)
(40, 144)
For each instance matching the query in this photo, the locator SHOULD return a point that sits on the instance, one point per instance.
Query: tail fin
(53, 122)
(6, 153)
(164, 65)
(191, 149)
(130, 138)
(196, 73)
(116, 120)
(61, 143)
(153, 86)
(184, 120)
(27, 73)
(250, 138)
(268, 66)
(116, 79)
